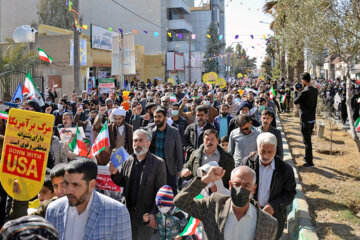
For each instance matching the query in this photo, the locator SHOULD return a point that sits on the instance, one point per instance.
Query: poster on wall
(106, 85)
(100, 38)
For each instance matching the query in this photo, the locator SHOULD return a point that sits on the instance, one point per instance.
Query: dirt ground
(332, 187)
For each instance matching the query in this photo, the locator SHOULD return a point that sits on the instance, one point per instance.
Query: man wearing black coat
(194, 132)
(307, 100)
(276, 186)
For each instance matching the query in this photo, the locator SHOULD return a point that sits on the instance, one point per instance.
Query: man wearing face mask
(234, 106)
(222, 121)
(179, 122)
(228, 217)
(213, 112)
(276, 181)
(62, 105)
(141, 176)
(242, 141)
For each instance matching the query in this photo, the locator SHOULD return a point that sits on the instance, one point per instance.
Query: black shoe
(308, 165)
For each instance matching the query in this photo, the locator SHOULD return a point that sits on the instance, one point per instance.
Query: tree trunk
(348, 107)
(299, 69)
(290, 74)
(282, 64)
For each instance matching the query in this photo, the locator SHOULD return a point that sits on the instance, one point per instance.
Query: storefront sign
(100, 38)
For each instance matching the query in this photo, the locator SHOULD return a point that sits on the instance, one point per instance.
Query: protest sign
(25, 152)
(119, 156)
(106, 85)
(103, 180)
(65, 133)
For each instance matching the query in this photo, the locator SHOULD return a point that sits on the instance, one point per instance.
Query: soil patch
(332, 187)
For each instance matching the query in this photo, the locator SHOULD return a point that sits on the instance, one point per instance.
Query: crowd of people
(196, 150)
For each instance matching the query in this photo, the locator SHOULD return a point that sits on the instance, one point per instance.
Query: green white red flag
(173, 98)
(31, 89)
(3, 115)
(192, 227)
(357, 125)
(44, 56)
(283, 98)
(78, 145)
(101, 142)
(272, 93)
(358, 79)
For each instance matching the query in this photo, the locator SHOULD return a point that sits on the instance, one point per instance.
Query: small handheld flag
(18, 93)
(78, 145)
(3, 115)
(283, 98)
(357, 125)
(119, 156)
(101, 142)
(31, 89)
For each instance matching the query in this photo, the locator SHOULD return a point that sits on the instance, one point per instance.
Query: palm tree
(14, 58)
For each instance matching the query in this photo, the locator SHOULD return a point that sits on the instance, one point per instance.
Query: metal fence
(10, 81)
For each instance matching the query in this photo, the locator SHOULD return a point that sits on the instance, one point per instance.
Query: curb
(299, 222)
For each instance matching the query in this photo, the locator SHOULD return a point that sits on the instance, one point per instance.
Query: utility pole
(189, 78)
(76, 52)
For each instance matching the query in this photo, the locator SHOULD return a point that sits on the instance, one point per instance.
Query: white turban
(118, 112)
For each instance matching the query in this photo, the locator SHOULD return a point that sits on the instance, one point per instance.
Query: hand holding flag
(119, 156)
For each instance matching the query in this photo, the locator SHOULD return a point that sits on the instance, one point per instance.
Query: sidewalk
(299, 225)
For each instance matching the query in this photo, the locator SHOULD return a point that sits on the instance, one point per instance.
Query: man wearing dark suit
(276, 182)
(166, 144)
(194, 132)
(141, 176)
(307, 100)
(228, 217)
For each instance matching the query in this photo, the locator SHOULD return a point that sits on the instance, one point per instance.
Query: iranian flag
(283, 98)
(358, 79)
(357, 125)
(173, 98)
(31, 89)
(43, 56)
(102, 140)
(3, 115)
(77, 145)
(272, 93)
(192, 227)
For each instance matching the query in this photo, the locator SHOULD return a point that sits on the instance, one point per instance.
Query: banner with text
(106, 85)
(25, 152)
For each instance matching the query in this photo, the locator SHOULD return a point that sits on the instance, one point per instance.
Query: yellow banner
(25, 152)
(171, 81)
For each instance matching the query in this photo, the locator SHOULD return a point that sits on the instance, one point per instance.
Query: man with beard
(242, 141)
(141, 176)
(194, 132)
(166, 144)
(85, 213)
(228, 217)
(222, 121)
(120, 133)
(276, 181)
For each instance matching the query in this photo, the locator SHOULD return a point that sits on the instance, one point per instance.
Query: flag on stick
(31, 89)
(102, 140)
(18, 93)
(119, 156)
(3, 115)
(272, 93)
(191, 227)
(283, 98)
(173, 98)
(78, 145)
(43, 56)
(357, 125)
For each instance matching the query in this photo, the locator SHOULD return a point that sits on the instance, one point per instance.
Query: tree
(55, 13)
(14, 58)
(213, 49)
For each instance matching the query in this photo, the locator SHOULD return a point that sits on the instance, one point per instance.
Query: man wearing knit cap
(120, 133)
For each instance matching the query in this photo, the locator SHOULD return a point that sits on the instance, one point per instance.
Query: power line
(136, 14)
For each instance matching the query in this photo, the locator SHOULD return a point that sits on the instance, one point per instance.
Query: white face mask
(60, 106)
(210, 185)
(207, 103)
(164, 209)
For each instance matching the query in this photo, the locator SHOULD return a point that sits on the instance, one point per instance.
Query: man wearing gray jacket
(242, 141)
(166, 144)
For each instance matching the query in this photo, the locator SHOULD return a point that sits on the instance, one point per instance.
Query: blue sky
(242, 18)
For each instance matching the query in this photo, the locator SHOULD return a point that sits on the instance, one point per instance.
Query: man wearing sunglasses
(242, 141)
